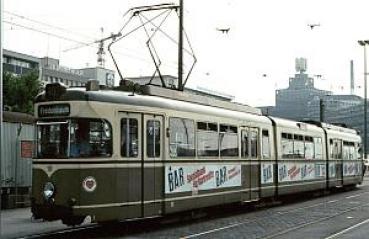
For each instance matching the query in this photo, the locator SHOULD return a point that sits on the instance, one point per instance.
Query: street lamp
(363, 43)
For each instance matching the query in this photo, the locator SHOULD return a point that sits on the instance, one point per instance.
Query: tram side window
(357, 151)
(228, 141)
(336, 149)
(331, 149)
(182, 137)
(52, 140)
(129, 138)
(245, 144)
(287, 145)
(309, 147)
(265, 144)
(207, 139)
(339, 147)
(153, 138)
(348, 150)
(352, 152)
(318, 148)
(298, 146)
(90, 138)
(254, 142)
(345, 151)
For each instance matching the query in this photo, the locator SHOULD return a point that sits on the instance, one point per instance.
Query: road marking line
(347, 229)
(213, 230)
(353, 196)
(332, 201)
(237, 224)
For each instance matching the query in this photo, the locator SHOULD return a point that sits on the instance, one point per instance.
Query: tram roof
(310, 125)
(152, 97)
(17, 117)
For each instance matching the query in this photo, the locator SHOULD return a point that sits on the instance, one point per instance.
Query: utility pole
(1, 96)
(321, 109)
(180, 47)
(363, 43)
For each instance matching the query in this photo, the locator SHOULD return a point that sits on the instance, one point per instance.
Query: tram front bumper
(49, 211)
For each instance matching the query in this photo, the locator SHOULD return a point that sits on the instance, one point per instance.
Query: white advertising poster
(199, 177)
(266, 173)
(351, 169)
(289, 172)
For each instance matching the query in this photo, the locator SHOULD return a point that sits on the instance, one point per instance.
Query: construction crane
(101, 47)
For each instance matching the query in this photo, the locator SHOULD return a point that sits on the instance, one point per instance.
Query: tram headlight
(49, 190)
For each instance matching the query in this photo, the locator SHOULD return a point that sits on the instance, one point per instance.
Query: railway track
(260, 218)
(63, 232)
(317, 213)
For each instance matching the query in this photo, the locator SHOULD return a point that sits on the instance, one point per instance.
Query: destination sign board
(53, 110)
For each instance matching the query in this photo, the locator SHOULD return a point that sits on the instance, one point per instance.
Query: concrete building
(293, 102)
(19, 63)
(302, 101)
(104, 76)
(50, 70)
(170, 81)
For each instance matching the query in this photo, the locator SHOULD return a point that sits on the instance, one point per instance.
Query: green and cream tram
(116, 155)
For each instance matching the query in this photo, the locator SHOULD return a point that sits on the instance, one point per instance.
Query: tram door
(152, 171)
(255, 163)
(129, 177)
(246, 168)
(250, 153)
(335, 172)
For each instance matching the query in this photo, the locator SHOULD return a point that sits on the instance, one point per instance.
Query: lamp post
(363, 43)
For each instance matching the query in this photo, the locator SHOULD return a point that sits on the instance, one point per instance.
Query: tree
(19, 91)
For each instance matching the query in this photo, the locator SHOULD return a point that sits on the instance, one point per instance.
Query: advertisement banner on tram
(201, 177)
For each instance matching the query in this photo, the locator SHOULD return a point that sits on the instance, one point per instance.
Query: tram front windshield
(74, 138)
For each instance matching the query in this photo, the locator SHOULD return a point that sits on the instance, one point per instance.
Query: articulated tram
(113, 154)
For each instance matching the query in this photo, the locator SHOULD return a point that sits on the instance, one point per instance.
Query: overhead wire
(44, 32)
(76, 41)
(47, 24)
(84, 44)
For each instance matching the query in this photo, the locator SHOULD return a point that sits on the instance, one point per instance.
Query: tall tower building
(293, 102)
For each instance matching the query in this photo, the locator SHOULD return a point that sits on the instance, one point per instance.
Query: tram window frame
(207, 132)
(82, 138)
(230, 132)
(190, 149)
(318, 148)
(245, 143)
(298, 146)
(339, 155)
(153, 152)
(52, 139)
(254, 143)
(309, 147)
(335, 149)
(331, 153)
(131, 152)
(287, 142)
(357, 151)
(348, 150)
(265, 144)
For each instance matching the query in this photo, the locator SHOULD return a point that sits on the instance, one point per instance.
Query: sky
(250, 62)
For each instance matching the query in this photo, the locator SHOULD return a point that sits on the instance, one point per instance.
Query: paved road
(340, 215)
